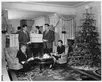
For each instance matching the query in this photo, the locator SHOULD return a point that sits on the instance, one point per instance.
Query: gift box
(36, 37)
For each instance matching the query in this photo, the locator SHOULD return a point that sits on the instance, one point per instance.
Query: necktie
(26, 34)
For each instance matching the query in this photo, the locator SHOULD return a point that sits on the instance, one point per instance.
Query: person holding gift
(49, 36)
(24, 38)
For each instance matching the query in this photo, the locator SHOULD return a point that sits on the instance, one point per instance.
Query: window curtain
(63, 23)
(5, 21)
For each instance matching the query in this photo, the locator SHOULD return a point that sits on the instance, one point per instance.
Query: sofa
(12, 60)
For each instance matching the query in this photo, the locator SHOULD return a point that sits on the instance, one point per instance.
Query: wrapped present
(36, 37)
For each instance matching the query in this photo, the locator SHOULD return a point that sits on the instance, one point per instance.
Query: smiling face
(23, 48)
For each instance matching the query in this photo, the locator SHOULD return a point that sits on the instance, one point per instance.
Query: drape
(61, 23)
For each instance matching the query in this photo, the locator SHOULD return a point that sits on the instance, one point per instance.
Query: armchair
(64, 57)
(12, 60)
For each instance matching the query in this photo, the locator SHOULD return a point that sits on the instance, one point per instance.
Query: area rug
(51, 75)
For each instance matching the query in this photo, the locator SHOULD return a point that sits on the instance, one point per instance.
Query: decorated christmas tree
(86, 49)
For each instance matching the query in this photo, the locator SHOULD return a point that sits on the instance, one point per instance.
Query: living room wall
(15, 23)
(39, 22)
(96, 10)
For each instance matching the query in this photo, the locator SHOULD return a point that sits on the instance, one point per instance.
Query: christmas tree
(86, 49)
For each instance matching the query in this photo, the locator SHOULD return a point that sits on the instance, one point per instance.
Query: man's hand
(45, 40)
(28, 42)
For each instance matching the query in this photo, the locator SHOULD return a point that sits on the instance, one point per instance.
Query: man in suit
(24, 37)
(50, 37)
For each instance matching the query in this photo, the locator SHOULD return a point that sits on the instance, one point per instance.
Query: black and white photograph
(51, 40)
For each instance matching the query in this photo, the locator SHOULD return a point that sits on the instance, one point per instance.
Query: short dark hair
(47, 24)
(24, 25)
(37, 27)
(60, 41)
(18, 28)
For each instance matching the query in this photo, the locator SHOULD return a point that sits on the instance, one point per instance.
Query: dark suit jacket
(50, 36)
(23, 57)
(23, 38)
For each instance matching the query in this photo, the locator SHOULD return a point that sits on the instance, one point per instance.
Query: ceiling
(27, 13)
(18, 14)
(69, 4)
